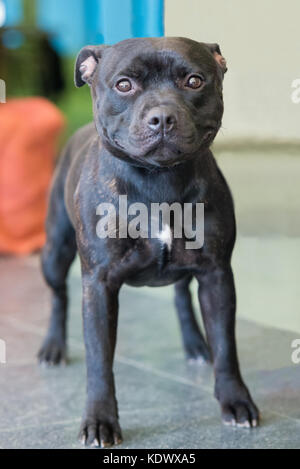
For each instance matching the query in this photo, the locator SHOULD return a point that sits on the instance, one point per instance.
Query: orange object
(29, 129)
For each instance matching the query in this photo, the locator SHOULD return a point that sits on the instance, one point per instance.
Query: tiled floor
(164, 403)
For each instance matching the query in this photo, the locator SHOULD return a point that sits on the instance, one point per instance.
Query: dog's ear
(86, 64)
(216, 52)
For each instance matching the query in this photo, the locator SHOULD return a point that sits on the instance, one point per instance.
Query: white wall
(261, 42)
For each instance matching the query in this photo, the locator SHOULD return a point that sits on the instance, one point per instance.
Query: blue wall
(64, 20)
(75, 23)
(14, 12)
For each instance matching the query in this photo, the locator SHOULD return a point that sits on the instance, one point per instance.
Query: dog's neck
(178, 183)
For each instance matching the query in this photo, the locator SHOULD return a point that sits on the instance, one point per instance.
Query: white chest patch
(165, 236)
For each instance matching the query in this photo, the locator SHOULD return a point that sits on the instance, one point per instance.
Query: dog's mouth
(150, 158)
(162, 151)
(150, 146)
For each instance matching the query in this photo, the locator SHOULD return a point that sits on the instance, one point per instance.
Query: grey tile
(164, 403)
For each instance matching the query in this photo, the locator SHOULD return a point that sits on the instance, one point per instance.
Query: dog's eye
(124, 86)
(194, 82)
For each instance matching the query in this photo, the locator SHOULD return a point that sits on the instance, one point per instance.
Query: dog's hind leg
(57, 257)
(194, 343)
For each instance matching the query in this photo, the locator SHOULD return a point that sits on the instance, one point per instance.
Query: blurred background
(258, 149)
(40, 39)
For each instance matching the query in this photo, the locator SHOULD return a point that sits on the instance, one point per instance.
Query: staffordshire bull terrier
(157, 106)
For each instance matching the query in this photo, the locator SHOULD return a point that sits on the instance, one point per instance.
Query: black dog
(158, 106)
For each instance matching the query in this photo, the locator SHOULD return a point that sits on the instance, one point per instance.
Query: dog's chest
(165, 237)
(168, 261)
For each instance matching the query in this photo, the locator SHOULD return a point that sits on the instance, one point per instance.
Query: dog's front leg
(218, 304)
(100, 426)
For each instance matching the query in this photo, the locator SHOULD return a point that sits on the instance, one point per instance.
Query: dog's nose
(161, 119)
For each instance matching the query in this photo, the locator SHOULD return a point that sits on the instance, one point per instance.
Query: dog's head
(156, 101)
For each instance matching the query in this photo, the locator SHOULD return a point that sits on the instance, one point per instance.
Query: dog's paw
(52, 352)
(241, 415)
(237, 406)
(100, 426)
(100, 434)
